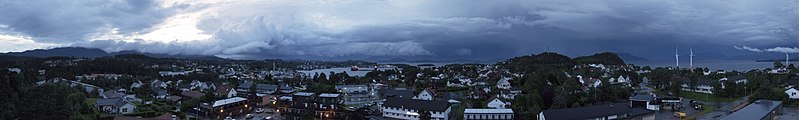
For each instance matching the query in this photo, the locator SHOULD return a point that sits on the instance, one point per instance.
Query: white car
(248, 116)
(229, 118)
(259, 110)
(268, 118)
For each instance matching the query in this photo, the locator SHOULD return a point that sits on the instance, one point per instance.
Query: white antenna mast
(677, 55)
(691, 64)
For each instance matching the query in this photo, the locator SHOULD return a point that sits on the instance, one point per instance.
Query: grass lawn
(705, 110)
(458, 110)
(90, 101)
(705, 97)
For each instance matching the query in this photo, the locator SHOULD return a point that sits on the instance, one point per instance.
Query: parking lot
(665, 114)
(268, 112)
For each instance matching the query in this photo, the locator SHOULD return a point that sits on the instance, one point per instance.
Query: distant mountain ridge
(630, 57)
(81, 52)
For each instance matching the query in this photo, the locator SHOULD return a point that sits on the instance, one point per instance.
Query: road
(260, 116)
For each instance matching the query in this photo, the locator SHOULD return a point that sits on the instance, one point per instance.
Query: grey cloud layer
(457, 28)
(68, 21)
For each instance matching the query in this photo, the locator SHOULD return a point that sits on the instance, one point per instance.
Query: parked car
(268, 118)
(249, 116)
(229, 118)
(259, 110)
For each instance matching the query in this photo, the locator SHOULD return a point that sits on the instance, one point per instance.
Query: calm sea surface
(739, 65)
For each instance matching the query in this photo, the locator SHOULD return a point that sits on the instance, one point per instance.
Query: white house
(503, 83)
(136, 84)
(792, 93)
(114, 106)
(702, 86)
(488, 114)
(496, 104)
(589, 82)
(408, 109)
(455, 83)
(158, 83)
(426, 94)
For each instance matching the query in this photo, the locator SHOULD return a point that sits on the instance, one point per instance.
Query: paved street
(260, 116)
(789, 113)
(665, 114)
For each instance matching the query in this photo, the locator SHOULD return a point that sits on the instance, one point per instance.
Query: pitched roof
(588, 112)
(247, 84)
(493, 111)
(328, 95)
(429, 105)
(223, 89)
(192, 94)
(755, 111)
(228, 101)
(116, 102)
(396, 93)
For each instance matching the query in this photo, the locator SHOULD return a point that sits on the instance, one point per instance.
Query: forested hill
(550, 60)
(606, 58)
(536, 62)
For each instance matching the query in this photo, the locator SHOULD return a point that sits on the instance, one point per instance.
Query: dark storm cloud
(68, 21)
(474, 29)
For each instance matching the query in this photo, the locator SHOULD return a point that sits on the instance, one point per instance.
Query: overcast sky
(474, 29)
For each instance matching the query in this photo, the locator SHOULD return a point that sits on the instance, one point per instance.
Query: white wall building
(792, 93)
(408, 109)
(503, 83)
(496, 104)
(424, 95)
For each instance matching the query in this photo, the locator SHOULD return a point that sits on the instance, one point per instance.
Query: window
(124, 110)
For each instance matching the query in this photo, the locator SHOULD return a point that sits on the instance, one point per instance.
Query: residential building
(504, 83)
(426, 94)
(226, 92)
(792, 93)
(329, 101)
(397, 92)
(644, 101)
(620, 110)
(701, 85)
(496, 103)
(192, 94)
(114, 106)
(225, 107)
(488, 114)
(759, 110)
(261, 89)
(408, 109)
(356, 94)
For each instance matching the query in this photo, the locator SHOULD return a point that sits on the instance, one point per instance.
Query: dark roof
(112, 94)
(588, 112)
(116, 102)
(174, 98)
(452, 96)
(755, 111)
(793, 81)
(642, 98)
(396, 93)
(640, 111)
(429, 105)
(161, 92)
(247, 84)
(192, 94)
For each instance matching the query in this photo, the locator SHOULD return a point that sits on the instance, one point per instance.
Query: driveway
(789, 113)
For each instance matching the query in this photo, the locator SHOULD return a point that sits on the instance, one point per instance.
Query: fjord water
(729, 65)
